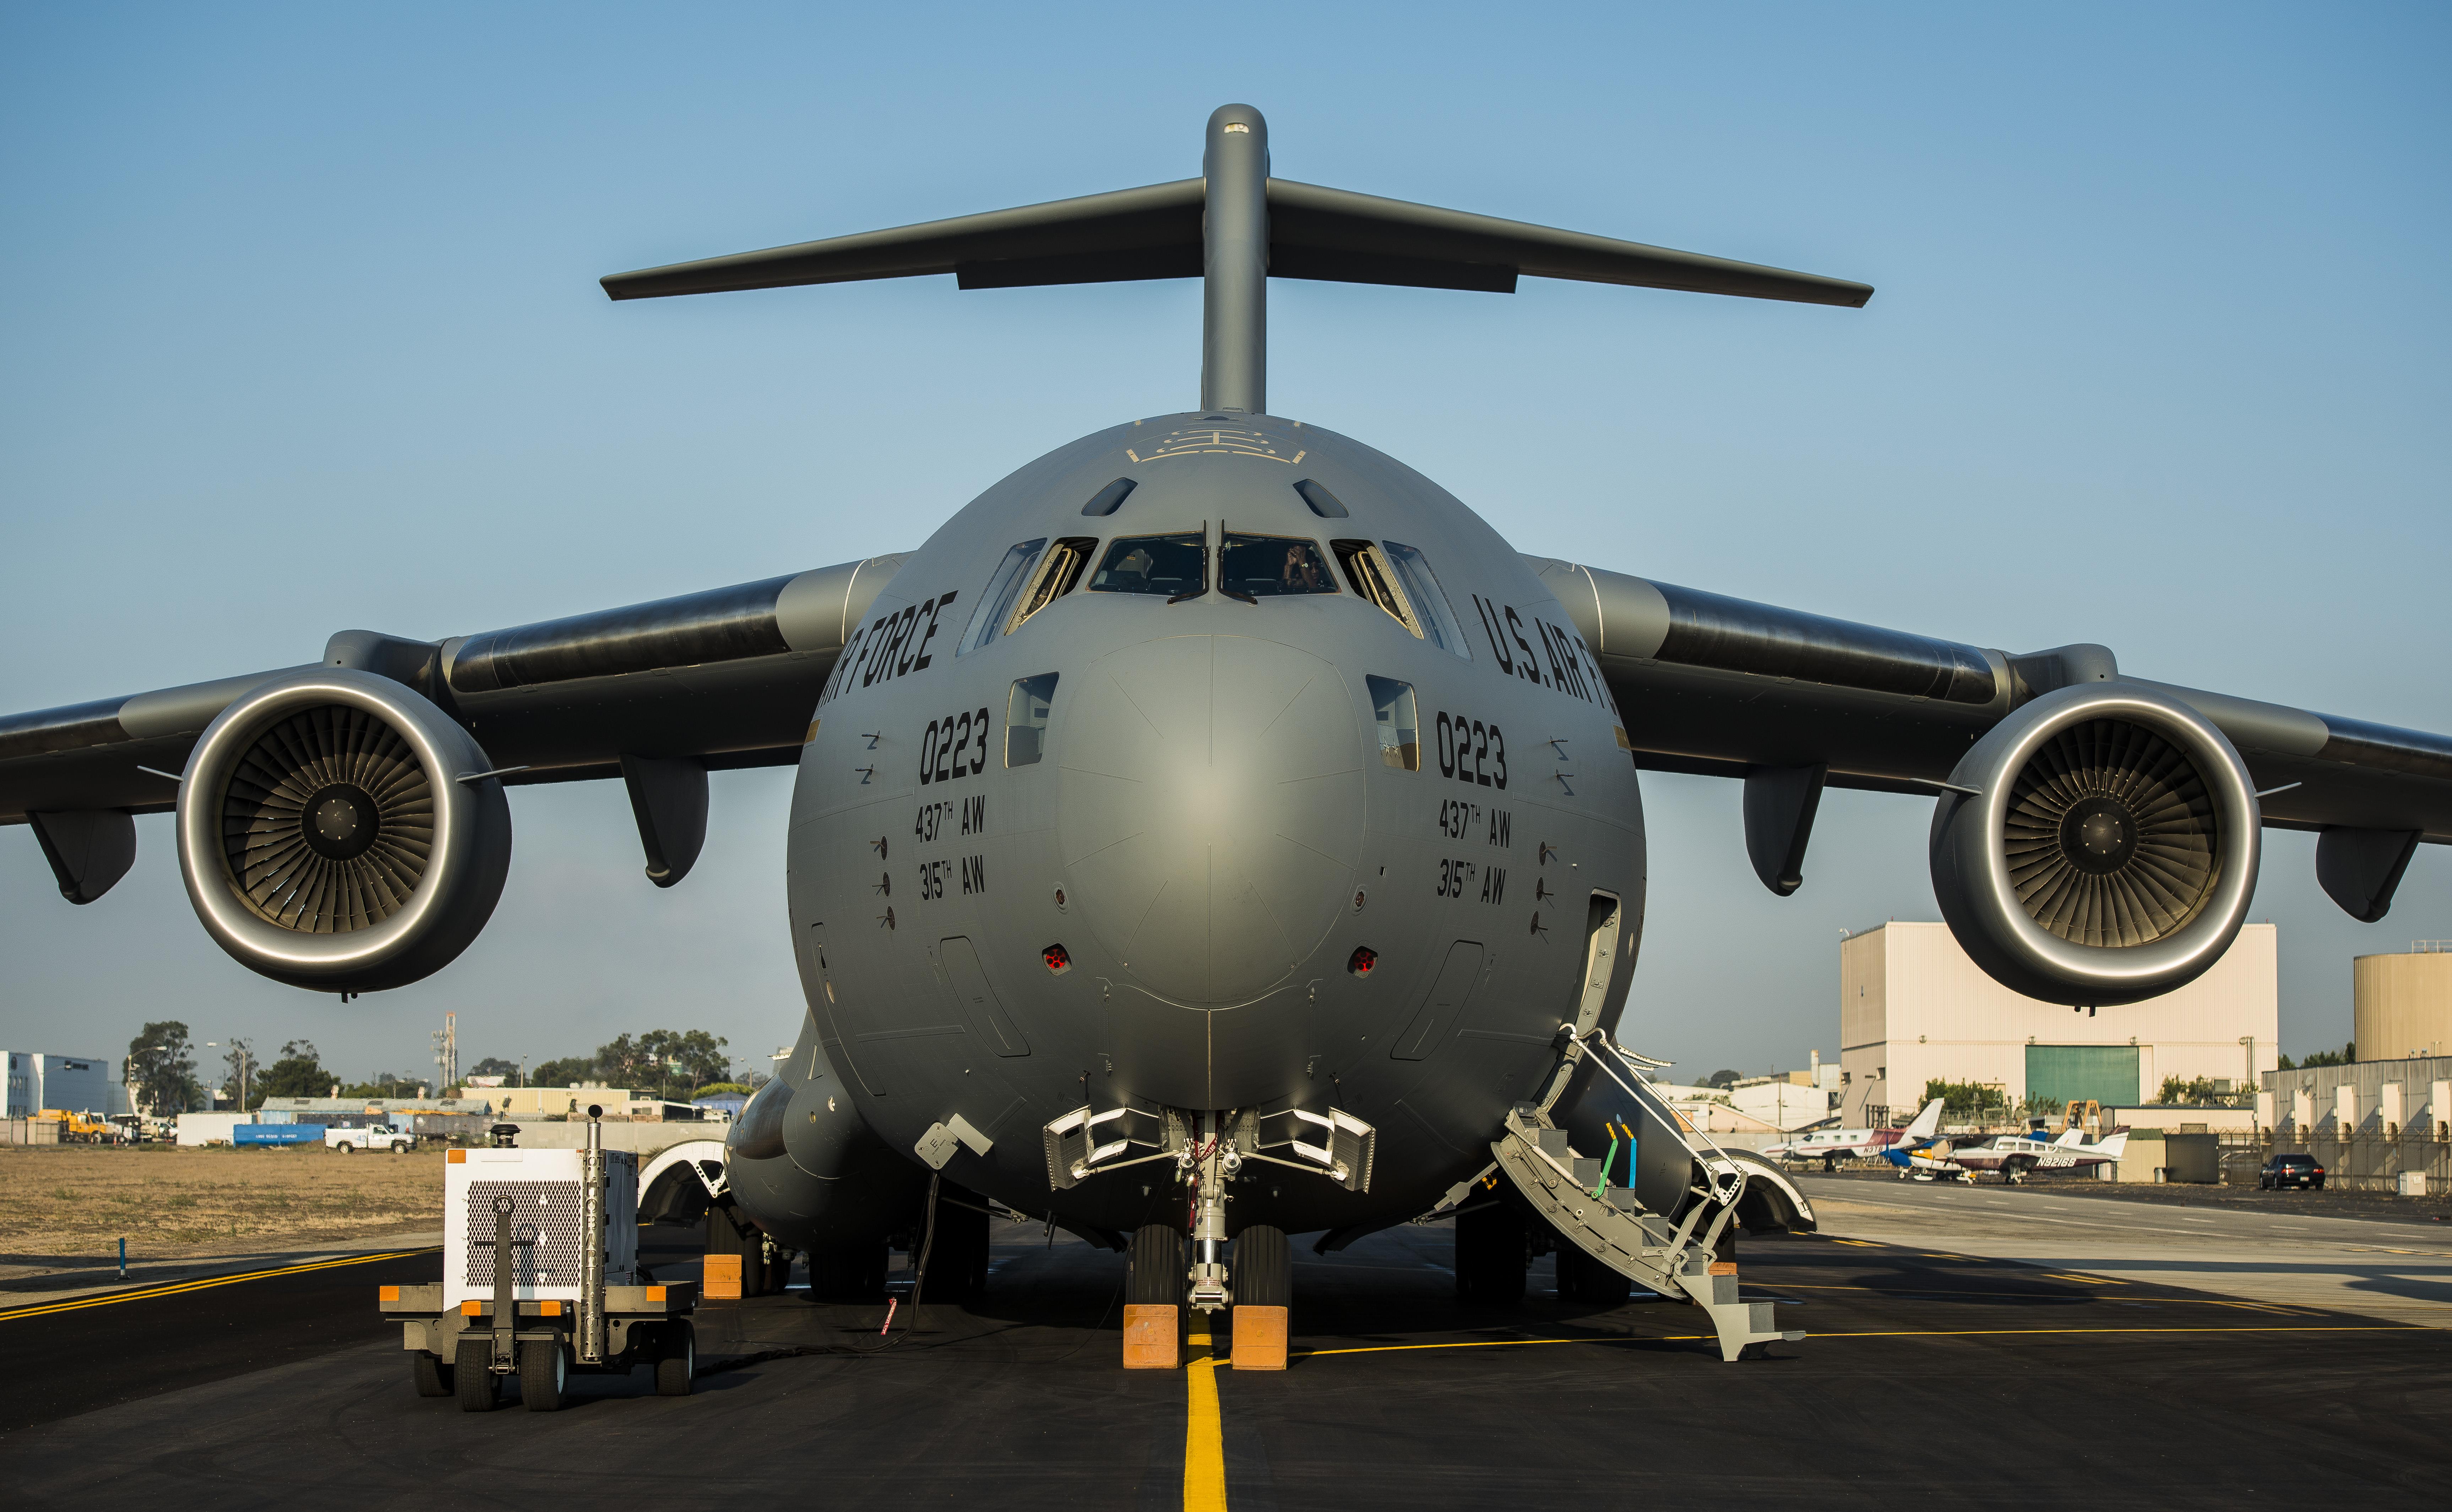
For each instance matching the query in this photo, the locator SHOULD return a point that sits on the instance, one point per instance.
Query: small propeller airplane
(2014, 1156)
(1831, 1145)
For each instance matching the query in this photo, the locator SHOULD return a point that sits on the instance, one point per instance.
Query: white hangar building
(1912, 1008)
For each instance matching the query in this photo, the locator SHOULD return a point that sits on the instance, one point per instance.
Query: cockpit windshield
(1396, 577)
(1172, 566)
(1428, 601)
(1265, 566)
(996, 605)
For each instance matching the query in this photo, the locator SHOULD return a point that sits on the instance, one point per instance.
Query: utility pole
(446, 1051)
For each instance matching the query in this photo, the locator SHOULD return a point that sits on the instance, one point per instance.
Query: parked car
(2290, 1170)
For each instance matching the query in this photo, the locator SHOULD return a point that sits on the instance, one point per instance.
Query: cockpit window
(1401, 729)
(1171, 566)
(1004, 586)
(1266, 567)
(1433, 618)
(1054, 577)
(1026, 709)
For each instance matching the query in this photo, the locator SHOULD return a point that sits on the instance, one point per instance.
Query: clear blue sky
(302, 334)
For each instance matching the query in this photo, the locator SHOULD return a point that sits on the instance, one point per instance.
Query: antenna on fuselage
(1234, 227)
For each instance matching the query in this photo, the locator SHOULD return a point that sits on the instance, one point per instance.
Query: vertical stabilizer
(1234, 261)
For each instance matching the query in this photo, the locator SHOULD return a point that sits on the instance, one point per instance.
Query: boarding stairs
(1573, 1193)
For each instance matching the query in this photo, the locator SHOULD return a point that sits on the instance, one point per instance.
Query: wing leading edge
(1723, 687)
(719, 679)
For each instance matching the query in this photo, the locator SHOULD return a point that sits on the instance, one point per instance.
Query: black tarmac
(1929, 1374)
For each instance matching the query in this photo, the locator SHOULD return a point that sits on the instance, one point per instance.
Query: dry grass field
(70, 1204)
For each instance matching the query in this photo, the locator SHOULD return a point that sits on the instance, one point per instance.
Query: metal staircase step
(1674, 1260)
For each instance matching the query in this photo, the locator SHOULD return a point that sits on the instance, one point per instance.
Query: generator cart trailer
(540, 1278)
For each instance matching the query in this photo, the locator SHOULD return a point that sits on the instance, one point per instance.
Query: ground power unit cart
(541, 1279)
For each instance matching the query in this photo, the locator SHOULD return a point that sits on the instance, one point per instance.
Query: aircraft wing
(1790, 701)
(722, 678)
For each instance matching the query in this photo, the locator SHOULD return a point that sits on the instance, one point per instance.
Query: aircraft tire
(1490, 1254)
(1264, 1269)
(958, 1256)
(1583, 1279)
(848, 1272)
(1156, 1269)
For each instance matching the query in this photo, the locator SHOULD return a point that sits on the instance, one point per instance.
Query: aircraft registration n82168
(1216, 832)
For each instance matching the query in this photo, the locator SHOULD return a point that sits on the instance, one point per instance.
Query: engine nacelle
(2108, 850)
(326, 840)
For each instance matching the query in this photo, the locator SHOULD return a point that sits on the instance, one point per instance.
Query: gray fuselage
(1216, 822)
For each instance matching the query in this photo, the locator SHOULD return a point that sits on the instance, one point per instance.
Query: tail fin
(1927, 1123)
(2113, 1144)
(1234, 227)
(2071, 1136)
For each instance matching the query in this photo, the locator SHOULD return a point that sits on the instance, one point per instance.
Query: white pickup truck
(376, 1136)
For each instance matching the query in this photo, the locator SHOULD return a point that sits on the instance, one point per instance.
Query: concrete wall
(1914, 1007)
(2402, 1004)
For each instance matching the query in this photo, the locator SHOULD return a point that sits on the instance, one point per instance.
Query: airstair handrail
(1724, 1166)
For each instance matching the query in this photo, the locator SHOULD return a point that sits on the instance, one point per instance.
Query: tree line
(163, 1070)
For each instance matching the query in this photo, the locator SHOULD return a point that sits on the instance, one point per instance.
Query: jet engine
(330, 837)
(2098, 846)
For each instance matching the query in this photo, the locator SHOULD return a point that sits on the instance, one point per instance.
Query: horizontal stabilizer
(1155, 232)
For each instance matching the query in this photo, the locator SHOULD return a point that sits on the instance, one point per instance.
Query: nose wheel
(1153, 1281)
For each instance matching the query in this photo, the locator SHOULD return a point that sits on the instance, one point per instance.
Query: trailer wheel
(544, 1369)
(432, 1376)
(473, 1376)
(678, 1362)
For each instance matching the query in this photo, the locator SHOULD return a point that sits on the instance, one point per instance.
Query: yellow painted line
(1888, 1333)
(1861, 1244)
(2089, 1280)
(1204, 1443)
(201, 1284)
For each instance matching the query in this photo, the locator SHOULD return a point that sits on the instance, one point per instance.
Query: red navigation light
(1056, 959)
(1363, 958)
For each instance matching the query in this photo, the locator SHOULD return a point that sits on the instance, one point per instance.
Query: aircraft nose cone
(1211, 811)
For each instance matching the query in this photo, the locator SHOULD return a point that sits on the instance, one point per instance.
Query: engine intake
(326, 839)
(2106, 851)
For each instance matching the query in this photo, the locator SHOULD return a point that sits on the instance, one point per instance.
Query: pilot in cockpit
(1300, 573)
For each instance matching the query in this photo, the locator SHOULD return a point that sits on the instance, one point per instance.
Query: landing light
(1057, 959)
(1363, 958)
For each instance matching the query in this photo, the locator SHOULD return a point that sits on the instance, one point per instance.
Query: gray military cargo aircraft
(1216, 832)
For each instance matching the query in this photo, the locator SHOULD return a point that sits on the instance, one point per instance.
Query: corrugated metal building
(2391, 1098)
(1914, 1008)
